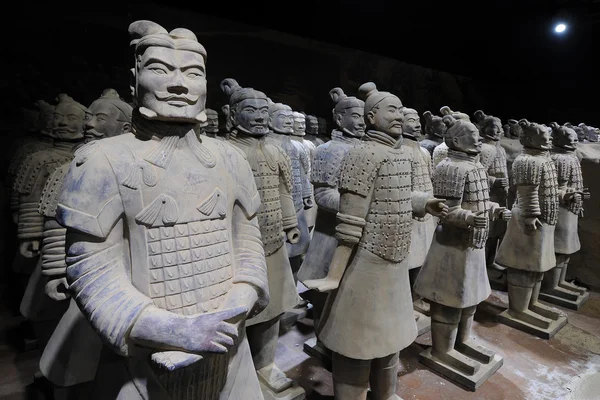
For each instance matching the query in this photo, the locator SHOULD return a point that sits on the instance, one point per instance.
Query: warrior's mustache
(64, 130)
(93, 132)
(166, 96)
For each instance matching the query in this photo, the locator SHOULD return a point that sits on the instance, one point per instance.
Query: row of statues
(167, 250)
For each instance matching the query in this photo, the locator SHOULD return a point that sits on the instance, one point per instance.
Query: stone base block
(469, 382)
(507, 319)
(293, 393)
(566, 303)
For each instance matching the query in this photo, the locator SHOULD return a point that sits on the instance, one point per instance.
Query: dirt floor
(565, 367)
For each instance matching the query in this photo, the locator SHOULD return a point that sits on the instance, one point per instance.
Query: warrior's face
(252, 116)
(387, 116)
(104, 121)
(568, 140)
(468, 141)
(411, 125)
(212, 119)
(492, 130)
(282, 121)
(312, 126)
(439, 128)
(171, 84)
(68, 122)
(540, 138)
(352, 121)
(299, 124)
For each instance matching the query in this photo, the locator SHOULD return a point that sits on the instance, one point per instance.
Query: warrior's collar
(459, 155)
(383, 138)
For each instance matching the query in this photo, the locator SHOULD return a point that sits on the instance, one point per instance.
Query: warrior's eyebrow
(159, 61)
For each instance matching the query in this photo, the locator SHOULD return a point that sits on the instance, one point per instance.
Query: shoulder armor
(440, 153)
(33, 166)
(449, 179)
(527, 170)
(487, 155)
(82, 153)
(360, 168)
(328, 162)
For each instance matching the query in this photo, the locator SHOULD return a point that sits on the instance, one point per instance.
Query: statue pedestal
(469, 382)
(572, 302)
(423, 323)
(293, 393)
(507, 319)
(316, 349)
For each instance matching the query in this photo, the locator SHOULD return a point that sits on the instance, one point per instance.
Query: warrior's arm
(327, 197)
(288, 211)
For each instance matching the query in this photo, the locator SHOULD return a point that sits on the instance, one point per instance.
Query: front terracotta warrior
(555, 289)
(369, 319)
(440, 152)
(249, 112)
(528, 246)
(454, 277)
(164, 256)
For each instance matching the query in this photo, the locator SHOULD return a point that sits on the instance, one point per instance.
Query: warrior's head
(281, 118)
(169, 77)
(535, 136)
(462, 135)
(348, 113)
(489, 126)
(515, 128)
(383, 110)
(411, 126)
(45, 117)
(110, 116)
(322, 126)
(312, 125)
(445, 110)
(564, 137)
(69, 119)
(248, 108)
(299, 124)
(212, 121)
(434, 125)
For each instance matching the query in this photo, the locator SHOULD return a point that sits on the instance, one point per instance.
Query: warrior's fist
(308, 203)
(29, 248)
(437, 207)
(502, 213)
(293, 235)
(586, 193)
(500, 183)
(478, 220)
(532, 224)
(214, 332)
(58, 289)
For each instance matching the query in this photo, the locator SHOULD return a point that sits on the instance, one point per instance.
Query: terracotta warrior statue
(73, 351)
(348, 114)
(249, 112)
(515, 129)
(212, 124)
(43, 125)
(434, 132)
(164, 255)
(228, 127)
(422, 227)
(441, 151)
(67, 131)
(302, 191)
(322, 137)
(369, 318)
(555, 288)
(312, 131)
(527, 249)
(309, 148)
(454, 277)
(493, 158)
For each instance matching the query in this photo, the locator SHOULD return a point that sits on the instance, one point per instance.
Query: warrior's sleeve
(307, 189)
(91, 209)
(564, 174)
(53, 242)
(288, 211)
(325, 175)
(356, 185)
(439, 153)
(249, 254)
(527, 174)
(418, 198)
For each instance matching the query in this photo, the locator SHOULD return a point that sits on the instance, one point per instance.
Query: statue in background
(369, 318)
(164, 225)
(348, 114)
(302, 191)
(515, 129)
(322, 130)
(212, 125)
(527, 249)
(422, 227)
(73, 351)
(555, 288)
(312, 131)
(493, 158)
(434, 132)
(249, 112)
(309, 149)
(67, 132)
(453, 277)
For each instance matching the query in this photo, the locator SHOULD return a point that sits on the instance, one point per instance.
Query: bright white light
(560, 28)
